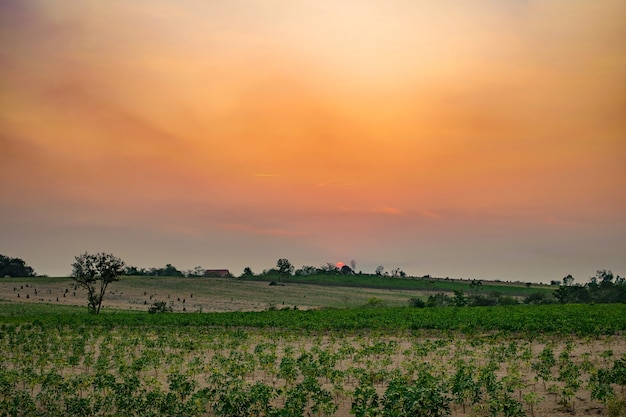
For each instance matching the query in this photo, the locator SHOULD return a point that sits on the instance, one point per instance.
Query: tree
(14, 267)
(397, 272)
(198, 271)
(135, 271)
(604, 276)
(568, 280)
(330, 269)
(94, 272)
(475, 285)
(379, 270)
(573, 294)
(459, 300)
(169, 271)
(284, 267)
(306, 270)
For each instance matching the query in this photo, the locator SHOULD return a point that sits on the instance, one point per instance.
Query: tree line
(15, 267)
(168, 270)
(94, 272)
(604, 287)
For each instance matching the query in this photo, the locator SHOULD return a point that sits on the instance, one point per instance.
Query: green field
(411, 283)
(366, 359)
(561, 319)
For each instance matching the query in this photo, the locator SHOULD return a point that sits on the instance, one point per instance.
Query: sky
(481, 139)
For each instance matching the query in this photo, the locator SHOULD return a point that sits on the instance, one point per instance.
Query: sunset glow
(471, 138)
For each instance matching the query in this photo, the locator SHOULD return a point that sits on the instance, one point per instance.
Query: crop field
(501, 361)
(204, 294)
(230, 294)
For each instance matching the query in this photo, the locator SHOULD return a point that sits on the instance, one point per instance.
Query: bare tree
(94, 272)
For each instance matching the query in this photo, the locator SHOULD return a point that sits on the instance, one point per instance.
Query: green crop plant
(543, 366)
(618, 372)
(463, 386)
(532, 399)
(502, 403)
(600, 385)
(569, 376)
(175, 364)
(365, 401)
(425, 396)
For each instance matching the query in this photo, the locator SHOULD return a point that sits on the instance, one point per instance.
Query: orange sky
(473, 138)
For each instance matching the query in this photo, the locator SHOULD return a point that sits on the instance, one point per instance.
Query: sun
(340, 265)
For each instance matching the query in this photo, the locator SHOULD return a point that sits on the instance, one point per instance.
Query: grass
(236, 294)
(259, 295)
(10, 309)
(414, 284)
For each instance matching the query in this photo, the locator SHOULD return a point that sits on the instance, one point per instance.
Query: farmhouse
(221, 273)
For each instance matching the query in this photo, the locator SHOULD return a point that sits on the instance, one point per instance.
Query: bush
(539, 298)
(482, 301)
(439, 300)
(505, 300)
(159, 307)
(416, 302)
(374, 302)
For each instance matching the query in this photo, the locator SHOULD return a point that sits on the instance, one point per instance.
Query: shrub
(375, 302)
(505, 300)
(416, 302)
(536, 298)
(482, 300)
(159, 307)
(439, 300)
